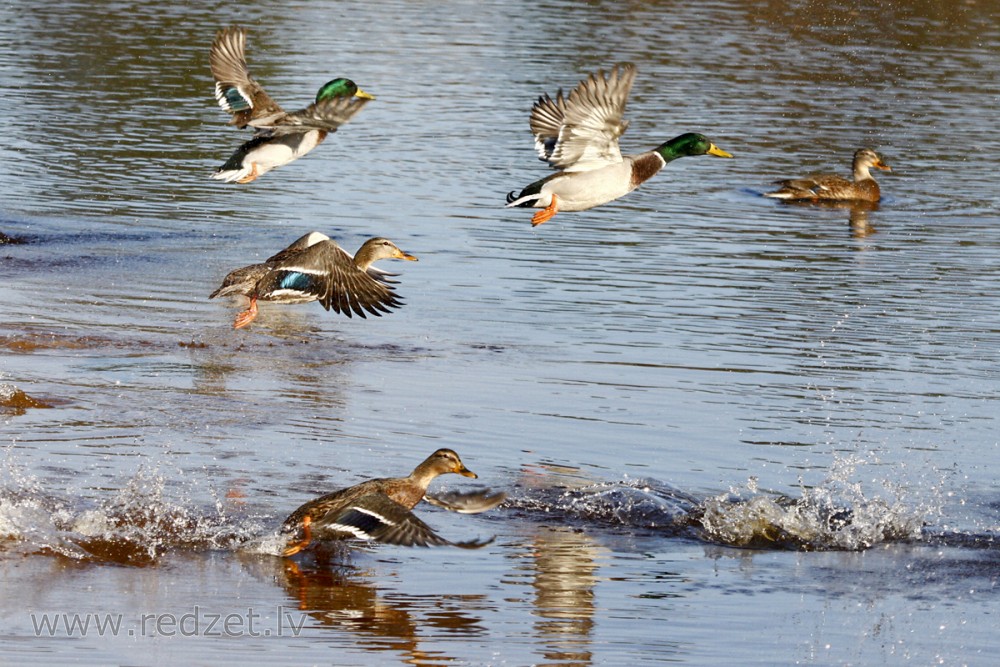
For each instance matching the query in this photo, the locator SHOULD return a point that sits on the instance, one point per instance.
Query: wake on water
(139, 524)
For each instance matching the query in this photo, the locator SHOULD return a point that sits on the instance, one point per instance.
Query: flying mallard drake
(578, 135)
(830, 187)
(314, 268)
(379, 509)
(280, 136)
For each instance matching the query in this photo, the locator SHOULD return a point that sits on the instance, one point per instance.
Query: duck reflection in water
(336, 596)
(565, 576)
(562, 568)
(858, 212)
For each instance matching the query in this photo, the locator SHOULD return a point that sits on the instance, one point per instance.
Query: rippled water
(704, 404)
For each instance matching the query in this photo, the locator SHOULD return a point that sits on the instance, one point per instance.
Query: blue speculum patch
(299, 281)
(236, 101)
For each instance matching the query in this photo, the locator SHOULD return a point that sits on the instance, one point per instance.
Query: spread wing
(235, 90)
(327, 271)
(580, 132)
(300, 244)
(328, 114)
(377, 517)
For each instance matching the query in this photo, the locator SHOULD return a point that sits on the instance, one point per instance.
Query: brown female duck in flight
(379, 509)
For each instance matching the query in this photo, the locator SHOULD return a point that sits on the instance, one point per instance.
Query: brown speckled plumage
(830, 187)
(379, 509)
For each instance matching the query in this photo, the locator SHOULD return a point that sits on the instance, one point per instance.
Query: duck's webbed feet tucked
(252, 176)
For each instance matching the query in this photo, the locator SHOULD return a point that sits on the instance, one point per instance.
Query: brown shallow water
(702, 403)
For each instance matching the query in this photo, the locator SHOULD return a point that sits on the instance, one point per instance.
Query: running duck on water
(315, 268)
(379, 509)
(830, 187)
(280, 136)
(578, 135)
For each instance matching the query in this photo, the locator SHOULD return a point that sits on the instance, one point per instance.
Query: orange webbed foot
(546, 213)
(293, 548)
(247, 316)
(252, 176)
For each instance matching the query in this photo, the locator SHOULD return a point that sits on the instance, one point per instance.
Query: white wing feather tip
(353, 530)
(371, 513)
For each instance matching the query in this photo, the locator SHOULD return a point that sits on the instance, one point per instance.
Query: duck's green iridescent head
(689, 144)
(341, 87)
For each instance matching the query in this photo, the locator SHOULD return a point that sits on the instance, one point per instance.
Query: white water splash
(135, 526)
(838, 514)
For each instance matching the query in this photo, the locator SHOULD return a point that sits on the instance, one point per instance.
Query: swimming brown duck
(830, 187)
(280, 136)
(379, 509)
(315, 268)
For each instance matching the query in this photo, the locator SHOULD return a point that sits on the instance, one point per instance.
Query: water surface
(704, 404)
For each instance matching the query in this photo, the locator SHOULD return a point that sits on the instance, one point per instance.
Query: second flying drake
(578, 135)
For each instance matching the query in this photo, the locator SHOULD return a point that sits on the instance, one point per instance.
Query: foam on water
(136, 526)
(836, 515)
(142, 522)
(841, 513)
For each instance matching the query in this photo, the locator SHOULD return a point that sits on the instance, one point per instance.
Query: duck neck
(423, 475)
(669, 151)
(365, 257)
(862, 172)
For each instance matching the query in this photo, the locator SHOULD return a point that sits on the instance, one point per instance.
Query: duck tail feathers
(231, 175)
(514, 199)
